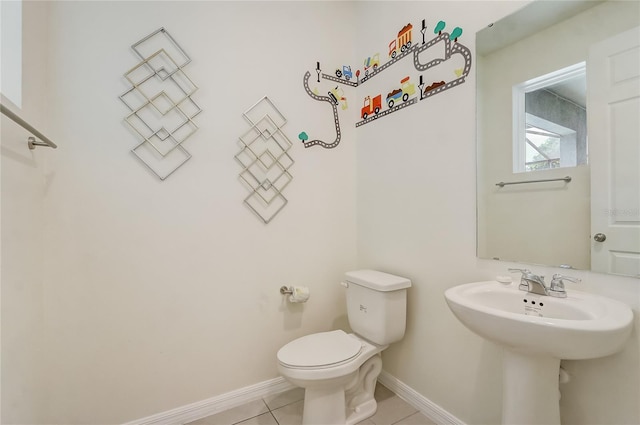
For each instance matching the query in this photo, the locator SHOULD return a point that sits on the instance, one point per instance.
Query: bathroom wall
(159, 294)
(416, 217)
(23, 184)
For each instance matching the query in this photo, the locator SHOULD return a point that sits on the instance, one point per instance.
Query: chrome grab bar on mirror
(566, 179)
(22, 123)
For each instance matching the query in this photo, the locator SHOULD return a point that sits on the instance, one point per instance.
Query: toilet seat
(320, 350)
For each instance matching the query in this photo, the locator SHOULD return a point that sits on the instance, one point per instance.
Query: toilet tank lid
(378, 281)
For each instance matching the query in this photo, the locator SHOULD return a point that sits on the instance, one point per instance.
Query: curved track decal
(309, 143)
(450, 49)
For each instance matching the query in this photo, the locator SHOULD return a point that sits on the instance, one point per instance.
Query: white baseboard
(208, 407)
(428, 408)
(204, 408)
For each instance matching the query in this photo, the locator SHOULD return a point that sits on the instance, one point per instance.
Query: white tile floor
(286, 409)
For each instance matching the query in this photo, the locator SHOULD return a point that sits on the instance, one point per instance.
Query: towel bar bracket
(32, 143)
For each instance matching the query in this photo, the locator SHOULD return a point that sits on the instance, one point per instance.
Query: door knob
(599, 237)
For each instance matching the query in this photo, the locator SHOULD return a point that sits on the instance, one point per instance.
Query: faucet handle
(556, 288)
(526, 274)
(560, 277)
(524, 286)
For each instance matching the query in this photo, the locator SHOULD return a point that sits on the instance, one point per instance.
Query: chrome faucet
(535, 284)
(531, 282)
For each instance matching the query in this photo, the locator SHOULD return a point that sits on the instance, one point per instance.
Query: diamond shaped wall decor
(160, 103)
(265, 160)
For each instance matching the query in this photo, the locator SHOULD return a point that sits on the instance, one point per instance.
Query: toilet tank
(377, 305)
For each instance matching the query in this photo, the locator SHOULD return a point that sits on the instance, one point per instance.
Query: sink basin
(536, 331)
(581, 326)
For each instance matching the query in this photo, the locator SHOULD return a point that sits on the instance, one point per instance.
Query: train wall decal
(376, 106)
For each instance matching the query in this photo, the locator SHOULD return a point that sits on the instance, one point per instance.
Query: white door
(613, 119)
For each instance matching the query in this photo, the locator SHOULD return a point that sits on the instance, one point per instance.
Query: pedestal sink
(536, 332)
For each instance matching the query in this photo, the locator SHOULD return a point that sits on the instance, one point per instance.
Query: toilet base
(323, 406)
(361, 403)
(342, 395)
(346, 404)
(362, 412)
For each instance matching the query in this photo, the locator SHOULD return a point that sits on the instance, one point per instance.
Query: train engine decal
(371, 106)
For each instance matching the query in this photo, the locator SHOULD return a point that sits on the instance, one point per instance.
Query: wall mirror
(558, 129)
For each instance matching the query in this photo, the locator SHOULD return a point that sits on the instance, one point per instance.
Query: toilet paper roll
(300, 294)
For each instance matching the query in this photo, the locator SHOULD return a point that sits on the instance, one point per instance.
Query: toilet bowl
(338, 370)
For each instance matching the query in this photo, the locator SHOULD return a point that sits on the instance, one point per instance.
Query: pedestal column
(531, 392)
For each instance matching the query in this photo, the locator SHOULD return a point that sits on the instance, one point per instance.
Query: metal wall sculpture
(161, 107)
(265, 160)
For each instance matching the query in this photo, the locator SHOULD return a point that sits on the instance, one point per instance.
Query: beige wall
(159, 294)
(24, 184)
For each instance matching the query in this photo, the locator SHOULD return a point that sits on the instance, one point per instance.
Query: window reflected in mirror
(550, 121)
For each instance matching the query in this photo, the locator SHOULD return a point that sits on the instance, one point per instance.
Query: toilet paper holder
(296, 294)
(285, 290)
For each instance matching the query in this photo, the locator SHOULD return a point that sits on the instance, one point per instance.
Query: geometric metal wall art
(265, 160)
(161, 107)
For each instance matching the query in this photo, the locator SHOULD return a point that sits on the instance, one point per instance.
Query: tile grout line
(270, 411)
(274, 417)
(409, 415)
(255, 416)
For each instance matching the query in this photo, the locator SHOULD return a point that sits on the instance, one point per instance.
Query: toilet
(338, 370)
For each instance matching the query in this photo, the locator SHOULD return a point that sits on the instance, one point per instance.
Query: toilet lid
(320, 349)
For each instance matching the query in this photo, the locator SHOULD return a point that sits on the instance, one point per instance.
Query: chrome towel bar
(566, 179)
(32, 143)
